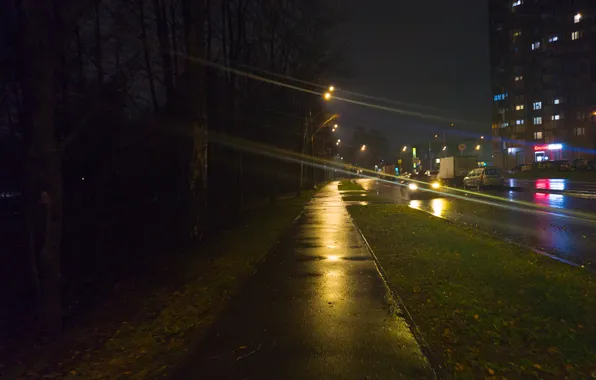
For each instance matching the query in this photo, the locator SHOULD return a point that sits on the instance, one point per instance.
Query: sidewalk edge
(400, 307)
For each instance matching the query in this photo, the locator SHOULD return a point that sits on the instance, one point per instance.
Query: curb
(399, 308)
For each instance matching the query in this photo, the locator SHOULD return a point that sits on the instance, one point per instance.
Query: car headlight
(435, 185)
(412, 186)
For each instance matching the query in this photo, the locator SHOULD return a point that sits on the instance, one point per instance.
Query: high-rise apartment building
(543, 70)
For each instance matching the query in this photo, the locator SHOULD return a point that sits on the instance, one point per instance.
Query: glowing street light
(404, 149)
(363, 148)
(338, 140)
(436, 136)
(477, 147)
(331, 88)
(481, 137)
(336, 126)
(327, 96)
(444, 148)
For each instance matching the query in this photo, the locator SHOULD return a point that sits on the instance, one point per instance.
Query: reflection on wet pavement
(316, 309)
(571, 238)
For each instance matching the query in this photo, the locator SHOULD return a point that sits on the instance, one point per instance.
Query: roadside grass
(349, 185)
(170, 318)
(368, 196)
(487, 309)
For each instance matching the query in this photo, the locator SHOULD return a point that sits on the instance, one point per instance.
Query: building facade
(543, 72)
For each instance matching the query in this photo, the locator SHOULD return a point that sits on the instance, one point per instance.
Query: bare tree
(44, 161)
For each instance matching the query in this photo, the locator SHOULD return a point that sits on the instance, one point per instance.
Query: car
(415, 186)
(488, 176)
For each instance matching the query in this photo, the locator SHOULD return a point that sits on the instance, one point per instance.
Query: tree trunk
(45, 176)
(165, 50)
(147, 55)
(174, 41)
(98, 55)
(82, 78)
(194, 19)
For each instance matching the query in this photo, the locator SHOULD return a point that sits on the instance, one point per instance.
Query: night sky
(433, 52)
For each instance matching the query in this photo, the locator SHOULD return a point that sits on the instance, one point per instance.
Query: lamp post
(307, 128)
(312, 143)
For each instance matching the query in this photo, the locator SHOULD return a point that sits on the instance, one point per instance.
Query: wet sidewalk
(316, 309)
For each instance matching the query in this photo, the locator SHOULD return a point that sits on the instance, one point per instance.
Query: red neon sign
(548, 147)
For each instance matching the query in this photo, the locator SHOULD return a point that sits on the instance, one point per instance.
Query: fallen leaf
(476, 316)
(490, 371)
(537, 366)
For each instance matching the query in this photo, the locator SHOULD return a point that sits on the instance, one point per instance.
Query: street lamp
(331, 88)
(363, 148)
(327, 96)
(444, 148)
(481, 137)
(477, 147)
(404, 149)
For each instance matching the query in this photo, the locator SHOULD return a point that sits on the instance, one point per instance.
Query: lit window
(505, 124)
(537, 105)
(518, 78)
(579, 131)
(519, 107)
(516, 3)
(519, 122)
(537, 135)
(557, 101)
(538, 120)
(556, 117)
(499, 97)
(553, 39)
(536, 45)
(577, 18)
(575, 36)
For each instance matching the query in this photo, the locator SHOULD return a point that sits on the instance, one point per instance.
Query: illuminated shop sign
(548, 147)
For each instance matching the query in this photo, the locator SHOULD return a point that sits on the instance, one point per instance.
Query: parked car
(480, 178)
(581, 164)
(561, 165)
(522, 168)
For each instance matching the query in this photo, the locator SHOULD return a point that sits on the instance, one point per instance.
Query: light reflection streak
(438, 205)
(415, 204)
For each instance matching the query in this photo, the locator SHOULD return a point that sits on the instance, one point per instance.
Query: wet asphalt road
(316, 309)
(570, 237)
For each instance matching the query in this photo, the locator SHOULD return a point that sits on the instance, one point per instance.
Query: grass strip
(486, 308)
(349, 185)
(172, 318)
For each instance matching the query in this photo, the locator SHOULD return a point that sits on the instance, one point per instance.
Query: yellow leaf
(476, 316)
(490, 371)
(537, 366)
